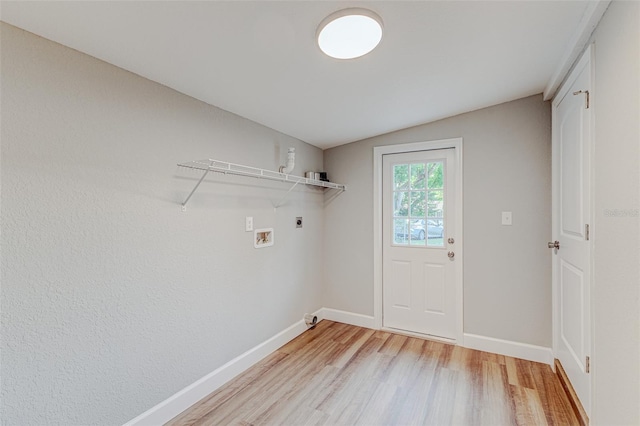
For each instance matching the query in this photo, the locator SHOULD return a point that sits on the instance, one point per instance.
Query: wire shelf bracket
(225, 167)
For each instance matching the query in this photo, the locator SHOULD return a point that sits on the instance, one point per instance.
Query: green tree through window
(418, 204)
(413, 177)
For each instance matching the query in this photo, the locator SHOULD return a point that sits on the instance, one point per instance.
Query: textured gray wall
(616, 231)
(113, 299)
(507, 269)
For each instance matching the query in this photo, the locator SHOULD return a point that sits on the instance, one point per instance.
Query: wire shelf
(225, 167)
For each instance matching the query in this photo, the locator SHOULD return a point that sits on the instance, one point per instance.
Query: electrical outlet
(248, 223)
(506, 218)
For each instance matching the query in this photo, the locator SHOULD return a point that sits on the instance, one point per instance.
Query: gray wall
(507, 269)
(616, 257)
(113, 299)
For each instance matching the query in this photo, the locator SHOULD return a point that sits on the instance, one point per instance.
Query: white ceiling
(260, 59)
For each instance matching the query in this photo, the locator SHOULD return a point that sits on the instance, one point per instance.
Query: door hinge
(587, 365)
(586, 232)
(586, 97)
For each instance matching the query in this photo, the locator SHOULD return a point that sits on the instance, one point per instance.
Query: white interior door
(571, 216)
(418, 276)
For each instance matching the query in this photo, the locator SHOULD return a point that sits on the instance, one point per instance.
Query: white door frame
(378, 152)
(588, 56)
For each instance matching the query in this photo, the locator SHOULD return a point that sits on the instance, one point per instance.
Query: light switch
(506, 218)
(248, 223)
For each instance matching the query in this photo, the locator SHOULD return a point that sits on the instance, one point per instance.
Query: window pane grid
(418, 204)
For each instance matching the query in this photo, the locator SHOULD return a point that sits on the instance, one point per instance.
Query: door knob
(451, 254)
(555, 245)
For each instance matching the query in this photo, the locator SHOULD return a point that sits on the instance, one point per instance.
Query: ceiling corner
(592, 15)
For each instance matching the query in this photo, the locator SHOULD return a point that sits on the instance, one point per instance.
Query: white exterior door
(418, 237)
(571, 217)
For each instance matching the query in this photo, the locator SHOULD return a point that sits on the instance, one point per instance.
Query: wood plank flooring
(338, 374)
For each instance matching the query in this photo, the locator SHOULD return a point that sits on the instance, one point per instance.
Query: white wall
(616, 297)
(113, 299)
(507, 270)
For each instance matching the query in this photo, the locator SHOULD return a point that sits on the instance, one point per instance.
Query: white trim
(592, 15)
(378, 152)
(185, 398)
(419, 335)
(176, 404)
(366, 321)
(586, 60)
(507, 347)
(593, 105)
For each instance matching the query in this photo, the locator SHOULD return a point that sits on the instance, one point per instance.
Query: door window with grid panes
(418, 204)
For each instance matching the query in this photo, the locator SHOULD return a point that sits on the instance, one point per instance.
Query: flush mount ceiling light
(349, 33)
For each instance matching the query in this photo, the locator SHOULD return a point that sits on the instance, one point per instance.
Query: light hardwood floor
(338, 374)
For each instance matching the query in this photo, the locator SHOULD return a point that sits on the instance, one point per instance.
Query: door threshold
(420, 335)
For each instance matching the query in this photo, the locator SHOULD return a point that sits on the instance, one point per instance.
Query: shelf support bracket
(226, 168)
(285, 196)
(184, 205)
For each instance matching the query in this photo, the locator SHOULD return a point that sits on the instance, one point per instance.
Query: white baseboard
(359, 320)
(472, 341)
(509, 348)
(176, 404)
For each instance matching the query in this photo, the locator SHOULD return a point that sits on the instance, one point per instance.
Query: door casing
(378, 152)
(588, 57)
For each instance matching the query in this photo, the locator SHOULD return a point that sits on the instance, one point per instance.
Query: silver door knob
(451, 254)
(555, 245)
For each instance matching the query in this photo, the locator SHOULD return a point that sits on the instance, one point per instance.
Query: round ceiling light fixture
(349, 33)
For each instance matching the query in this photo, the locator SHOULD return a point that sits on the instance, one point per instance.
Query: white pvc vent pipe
(291, 161)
